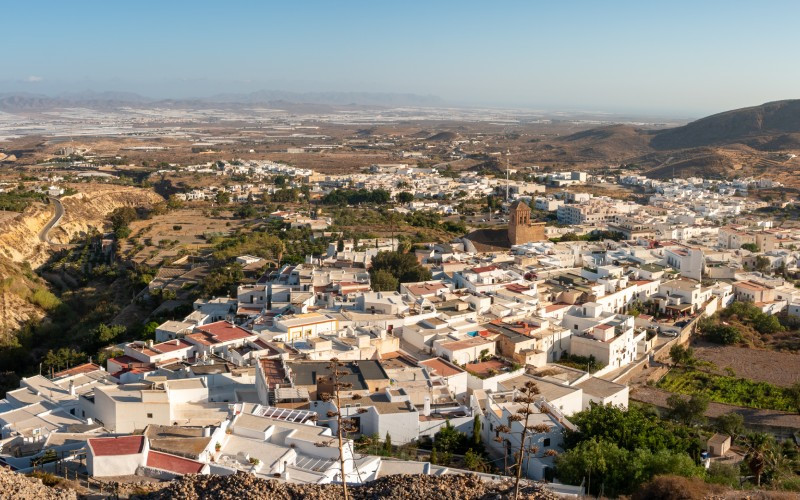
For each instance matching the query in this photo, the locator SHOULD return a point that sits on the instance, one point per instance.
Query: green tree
(149, 331)
(681, 356)
(630, 428)
(62, 359)
(387, 445)
(174, 203)
(475, 462)
(404, 197)
(758, 445)
(731, 424)
(724, 474)
(688, 411)
(615, 470)
(767, 323)
(245, 211)
(222, 197)
(448, 439)
(599, 461)
(384, 281)
(286, 195)
(403, 266)
(720, 334)
(762, 264)
(794, 394)
(751, 247)
(105, 333)
(476, 430)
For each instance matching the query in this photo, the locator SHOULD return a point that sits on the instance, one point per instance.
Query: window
(546, 442)
(149, 415)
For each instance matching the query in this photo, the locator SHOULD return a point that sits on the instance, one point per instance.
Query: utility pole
(508, 153)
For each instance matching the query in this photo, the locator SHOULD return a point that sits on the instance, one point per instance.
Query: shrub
(671, 487)
(724, 474)
(722, 334)
(45, 299)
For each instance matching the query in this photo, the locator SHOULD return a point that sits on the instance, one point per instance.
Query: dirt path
(752, 416)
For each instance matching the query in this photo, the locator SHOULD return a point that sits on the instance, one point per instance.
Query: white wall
(118, 465)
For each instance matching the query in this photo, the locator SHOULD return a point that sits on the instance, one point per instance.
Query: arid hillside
(89, 208)
(23, 295)
(770, 126)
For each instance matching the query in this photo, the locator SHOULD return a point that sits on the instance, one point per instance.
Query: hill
(770, 126)
(608, 143)
(443, 137)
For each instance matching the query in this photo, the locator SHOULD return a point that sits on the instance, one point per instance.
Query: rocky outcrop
(87, 210)
(17, 486)
(418, 487)
(19, 235)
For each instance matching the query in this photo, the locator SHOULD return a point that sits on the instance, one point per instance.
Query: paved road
(43, 234)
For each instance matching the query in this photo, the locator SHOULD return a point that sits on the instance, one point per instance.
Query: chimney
(71, 387)
(149, 343)
(427, 408)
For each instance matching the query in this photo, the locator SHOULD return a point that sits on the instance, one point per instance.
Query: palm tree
(758, 447)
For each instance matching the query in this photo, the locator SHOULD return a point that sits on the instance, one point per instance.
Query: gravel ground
(247, 486)
(19, 487)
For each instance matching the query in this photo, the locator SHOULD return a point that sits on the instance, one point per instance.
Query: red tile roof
(555, 307)
(273, 371)
(479, 270)
(125, 360)
(172, 463)
(216, 333)
(172, 345)
(440, 367)
(425, 288)
(516, 287)
(124, 445)
(77, 370)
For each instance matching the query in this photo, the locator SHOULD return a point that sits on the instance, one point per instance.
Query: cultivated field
(778, 368)
(162, 237)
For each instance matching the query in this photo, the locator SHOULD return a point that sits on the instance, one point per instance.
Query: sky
(677, 58)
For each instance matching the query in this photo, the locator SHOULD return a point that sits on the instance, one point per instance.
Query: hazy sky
(677, 57)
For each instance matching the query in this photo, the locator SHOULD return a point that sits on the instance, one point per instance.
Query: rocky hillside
(19, 236)
(19, 240)
(418, 487)
(89, 209)
(23, 295)
(17, 486)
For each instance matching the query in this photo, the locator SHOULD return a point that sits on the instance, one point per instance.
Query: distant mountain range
(105, 100)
